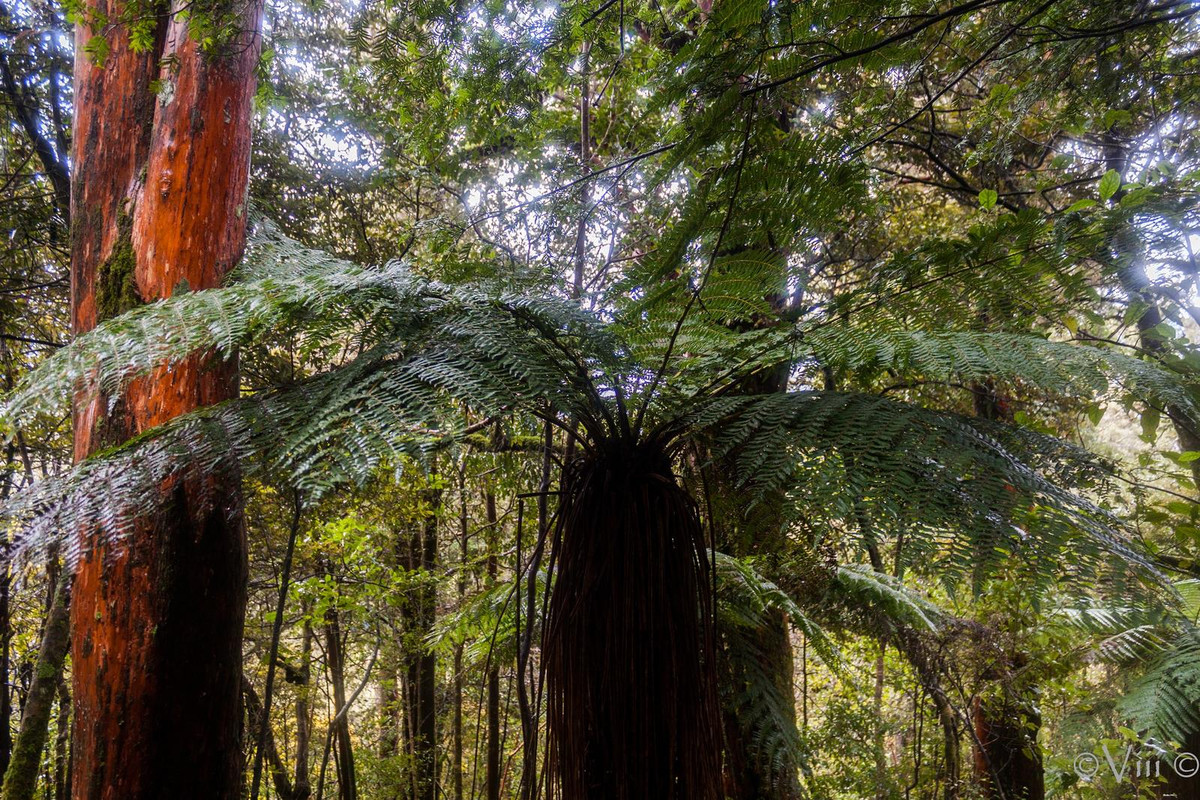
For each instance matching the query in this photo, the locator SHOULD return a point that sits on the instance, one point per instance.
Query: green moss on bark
(116, 282)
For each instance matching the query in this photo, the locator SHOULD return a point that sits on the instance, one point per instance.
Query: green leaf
(1109, 184)
(1150, 420)
(988, 198)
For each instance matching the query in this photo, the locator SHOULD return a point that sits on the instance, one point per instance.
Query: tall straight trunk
(302, 784)
(347, 784)
(464, 540)
(492, 783)
(158, 200)
(6, 709)
(8, 481)
(21, 777)
(62, 743)
(420, 662)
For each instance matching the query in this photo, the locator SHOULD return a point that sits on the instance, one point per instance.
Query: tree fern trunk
(161, 158)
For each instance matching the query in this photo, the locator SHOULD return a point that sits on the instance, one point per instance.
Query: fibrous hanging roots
(628, 648)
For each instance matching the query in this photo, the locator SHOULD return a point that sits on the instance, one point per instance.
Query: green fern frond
(859, 584)
(1050, 367)
(283, 284)
(745, 597)
(972, 498)
(764, 710)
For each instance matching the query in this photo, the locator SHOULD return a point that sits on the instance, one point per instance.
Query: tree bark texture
(158, 198)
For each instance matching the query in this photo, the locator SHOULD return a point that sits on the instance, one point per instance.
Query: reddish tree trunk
(158, 200)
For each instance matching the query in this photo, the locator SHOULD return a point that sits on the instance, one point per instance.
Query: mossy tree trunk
(158, 196)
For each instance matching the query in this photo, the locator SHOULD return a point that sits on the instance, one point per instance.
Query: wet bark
(158, 202)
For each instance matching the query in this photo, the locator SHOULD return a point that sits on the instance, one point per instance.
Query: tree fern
(978, 492)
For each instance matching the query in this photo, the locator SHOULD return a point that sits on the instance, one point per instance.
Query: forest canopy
(599, 400)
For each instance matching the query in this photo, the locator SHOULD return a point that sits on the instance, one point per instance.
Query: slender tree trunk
(256, 714)
(20, 779)
(347, 785)
(264, 729)
(881, 771)
(8, 481)
(420, 664)
(302, 783)
(464, 540)
(62, 743)
(585, 159)
(6, 709)
(159, 201)
(492, 783)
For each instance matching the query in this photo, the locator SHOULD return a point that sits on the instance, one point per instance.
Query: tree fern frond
(336, 428)
(1057, 368)
(974, 499)
(283, 284)
(1165, 701)
(861, 584)
(745, 597)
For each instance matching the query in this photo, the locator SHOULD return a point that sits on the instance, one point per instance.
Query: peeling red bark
(158, 199)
